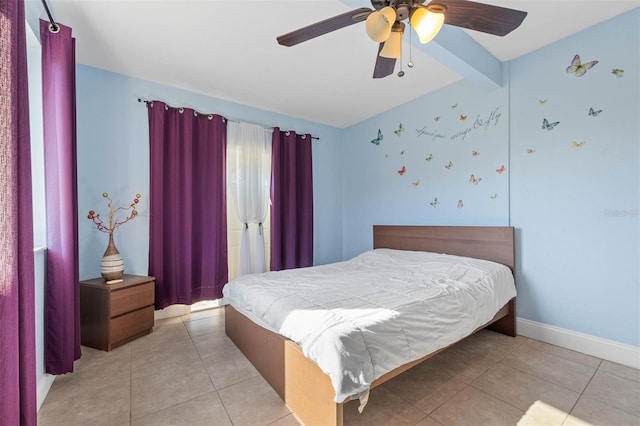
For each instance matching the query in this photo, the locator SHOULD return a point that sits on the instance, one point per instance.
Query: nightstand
(114, 314)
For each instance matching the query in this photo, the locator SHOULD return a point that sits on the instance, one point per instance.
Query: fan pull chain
(401, 72)
(410, 64)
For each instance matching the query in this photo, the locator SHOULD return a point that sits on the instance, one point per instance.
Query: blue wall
(575, 199)
(449, 136)
(113, 157)
(574, 204)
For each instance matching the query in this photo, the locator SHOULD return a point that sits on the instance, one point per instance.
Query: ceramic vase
(112, 264)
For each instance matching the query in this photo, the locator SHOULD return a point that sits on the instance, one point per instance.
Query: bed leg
(507, 324)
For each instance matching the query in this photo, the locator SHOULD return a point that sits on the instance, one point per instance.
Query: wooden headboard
(493, 243)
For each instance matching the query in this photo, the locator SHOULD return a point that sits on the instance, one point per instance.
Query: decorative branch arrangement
(113, 221)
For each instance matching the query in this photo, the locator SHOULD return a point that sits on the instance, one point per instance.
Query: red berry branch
(114, 222)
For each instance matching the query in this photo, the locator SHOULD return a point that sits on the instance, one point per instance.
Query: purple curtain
(188, 208)
(17, 310)
(62, 307)
(292, 201)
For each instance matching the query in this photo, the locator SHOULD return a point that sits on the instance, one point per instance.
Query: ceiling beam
(456, 50)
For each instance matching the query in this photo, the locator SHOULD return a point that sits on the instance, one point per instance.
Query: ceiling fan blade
(384, 66)
(324, 27)
(482, 17)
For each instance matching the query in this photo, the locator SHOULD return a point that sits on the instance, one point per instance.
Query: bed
(312, 394)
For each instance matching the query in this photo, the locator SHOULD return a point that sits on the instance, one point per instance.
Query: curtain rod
(147, 102)
(53, 27)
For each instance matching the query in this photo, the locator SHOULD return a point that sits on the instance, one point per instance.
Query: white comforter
(362, 318)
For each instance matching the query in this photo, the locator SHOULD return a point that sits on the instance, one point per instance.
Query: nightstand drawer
(132, 298)
(114, 314)
(129, 326)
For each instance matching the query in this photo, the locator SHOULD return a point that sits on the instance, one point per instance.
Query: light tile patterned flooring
(187, 372)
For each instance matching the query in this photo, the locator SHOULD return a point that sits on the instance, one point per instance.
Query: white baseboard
(595, 346)
(44, 384)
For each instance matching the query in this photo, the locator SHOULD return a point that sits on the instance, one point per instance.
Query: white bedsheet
(364, 317)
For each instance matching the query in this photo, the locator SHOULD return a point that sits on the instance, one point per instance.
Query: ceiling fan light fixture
(427, 21)
(379, 24)
(393, 45)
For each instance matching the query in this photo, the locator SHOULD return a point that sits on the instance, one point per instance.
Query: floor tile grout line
(507, 402)
(439, 405)
(602, 402)
(566, 358)
(549, 381)
(496, 397)
(225, 387)
(202, 359)
(209, 375)
(170, 406)
(529, 373)
(582, 393)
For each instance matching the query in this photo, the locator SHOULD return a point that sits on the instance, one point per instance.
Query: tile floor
(187, 372)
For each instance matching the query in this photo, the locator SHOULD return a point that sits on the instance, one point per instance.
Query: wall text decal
(492, 118)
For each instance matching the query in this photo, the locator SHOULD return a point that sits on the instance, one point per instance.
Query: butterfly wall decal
(399, 131)
(594, 113)
(494, 196)
(454, 106)
(474, 180)
(436, 118)
(617, 72)
(402, 152)
(530, 151)
(449, 165)
(377, 140)
(460, 204)
(402, 171)
(416, 183)
(435, 202)
(501, 169)
(578, 68)
(549, 126)
(542, 101)
(463, 117)
(576, 144)
(475, 153)
(429, 157)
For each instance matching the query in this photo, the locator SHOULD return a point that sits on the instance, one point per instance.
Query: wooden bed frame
(301, 384)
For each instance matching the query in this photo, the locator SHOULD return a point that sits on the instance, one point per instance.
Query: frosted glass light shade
(379, 23)
(393, 46)
(426, 23)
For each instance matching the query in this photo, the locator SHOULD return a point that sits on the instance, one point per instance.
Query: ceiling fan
(384, 24)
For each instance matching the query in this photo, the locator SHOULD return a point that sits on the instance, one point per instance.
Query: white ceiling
(228, 50)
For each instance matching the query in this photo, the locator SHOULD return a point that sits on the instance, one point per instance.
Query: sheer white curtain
(249, 174)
